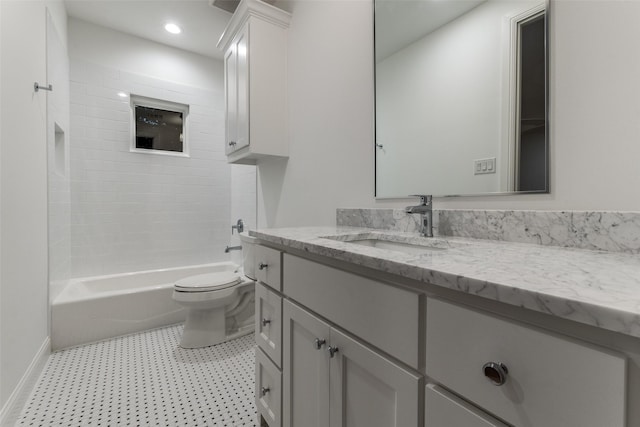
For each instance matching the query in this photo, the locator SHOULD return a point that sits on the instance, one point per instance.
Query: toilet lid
(208, 282)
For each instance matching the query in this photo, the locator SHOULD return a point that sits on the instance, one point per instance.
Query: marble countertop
(593, 287)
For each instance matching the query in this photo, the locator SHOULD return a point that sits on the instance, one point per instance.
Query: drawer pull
(319, 343)
(264, 390)
(265, 322)
(496, 372)
(332, 351)
(232, 143)
(262, 266)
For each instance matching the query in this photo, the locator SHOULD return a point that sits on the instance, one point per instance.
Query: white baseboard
(11, 411)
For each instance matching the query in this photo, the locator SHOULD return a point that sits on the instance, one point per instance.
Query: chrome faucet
(239, 226)
(426, 214)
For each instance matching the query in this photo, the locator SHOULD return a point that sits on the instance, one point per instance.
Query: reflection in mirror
(461, 97)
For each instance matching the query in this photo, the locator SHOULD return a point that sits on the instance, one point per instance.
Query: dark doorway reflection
(532, 174)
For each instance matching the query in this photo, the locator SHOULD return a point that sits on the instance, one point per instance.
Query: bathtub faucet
(232, 248)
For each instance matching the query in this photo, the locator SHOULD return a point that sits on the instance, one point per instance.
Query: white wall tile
(132, 211)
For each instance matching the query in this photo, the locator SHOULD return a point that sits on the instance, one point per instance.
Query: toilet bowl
(219, 305)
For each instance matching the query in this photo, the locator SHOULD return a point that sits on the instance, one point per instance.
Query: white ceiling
(402, 22)
(202, 24)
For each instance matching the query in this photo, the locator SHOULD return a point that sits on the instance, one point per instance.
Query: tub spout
(232, 248)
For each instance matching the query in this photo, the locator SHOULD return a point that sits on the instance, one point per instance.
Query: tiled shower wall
(59, 187)
(243, 202)
(133, 211)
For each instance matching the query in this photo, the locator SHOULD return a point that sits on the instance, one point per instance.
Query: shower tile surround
(137, 211)
(490, 256)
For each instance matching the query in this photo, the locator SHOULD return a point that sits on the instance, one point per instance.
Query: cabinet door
(242, 82)
(268, 390)
(231, 99)
(268, 321)
(368, 390)
(305, 369)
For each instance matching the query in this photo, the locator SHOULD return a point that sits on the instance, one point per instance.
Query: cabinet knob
(232, 143)
(496, 372)
(262, 266)
(318, 343)
(332, 351)
(264, 390)
(265, 322)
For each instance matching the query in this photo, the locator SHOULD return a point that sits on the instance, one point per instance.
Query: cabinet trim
(246, 9)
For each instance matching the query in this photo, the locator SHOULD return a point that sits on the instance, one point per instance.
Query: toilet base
(211, 322)
(203, 328)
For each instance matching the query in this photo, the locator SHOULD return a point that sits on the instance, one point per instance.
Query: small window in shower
(159, 126)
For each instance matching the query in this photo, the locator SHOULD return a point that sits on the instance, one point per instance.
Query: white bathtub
(95, 308)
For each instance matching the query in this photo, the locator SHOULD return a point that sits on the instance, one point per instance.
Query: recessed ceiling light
(122, 95)
(173, 28)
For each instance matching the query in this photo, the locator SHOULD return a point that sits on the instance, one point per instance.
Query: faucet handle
(239, 226)
(425, 199)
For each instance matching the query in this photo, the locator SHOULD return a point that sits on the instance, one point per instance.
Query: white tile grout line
(146, 380)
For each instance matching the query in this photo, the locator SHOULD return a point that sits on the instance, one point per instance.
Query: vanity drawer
(268, 390)
(269, 267)
(380, 314)
(550, 380)
(269, 322)
(443, 409)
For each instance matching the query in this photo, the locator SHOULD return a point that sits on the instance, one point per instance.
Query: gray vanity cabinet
(305, 364)
(360, 349)
(333, 380)
(549, 380)
(268, 335)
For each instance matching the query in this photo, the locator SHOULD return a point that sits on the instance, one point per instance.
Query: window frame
(143, 101)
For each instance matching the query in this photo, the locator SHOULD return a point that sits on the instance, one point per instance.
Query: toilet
(220, 305)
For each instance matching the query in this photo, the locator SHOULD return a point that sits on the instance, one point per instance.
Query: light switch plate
(484, 166)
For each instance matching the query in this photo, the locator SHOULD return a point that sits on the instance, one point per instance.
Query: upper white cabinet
(255, 68)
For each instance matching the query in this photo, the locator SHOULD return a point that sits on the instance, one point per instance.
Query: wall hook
(37, 87)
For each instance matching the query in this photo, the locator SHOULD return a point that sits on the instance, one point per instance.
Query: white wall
(23, 181)
(439, 106)
(136, 211)
(594, 64)
(330, 68)
(100, 45)
(23, 192)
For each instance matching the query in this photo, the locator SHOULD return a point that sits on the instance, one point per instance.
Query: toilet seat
(208, 282)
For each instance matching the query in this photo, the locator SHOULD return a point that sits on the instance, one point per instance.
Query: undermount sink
(411, 246)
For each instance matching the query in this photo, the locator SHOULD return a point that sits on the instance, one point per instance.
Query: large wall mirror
(461, 97)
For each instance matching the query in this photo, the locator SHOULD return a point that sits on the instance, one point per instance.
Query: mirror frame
(546, 190)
